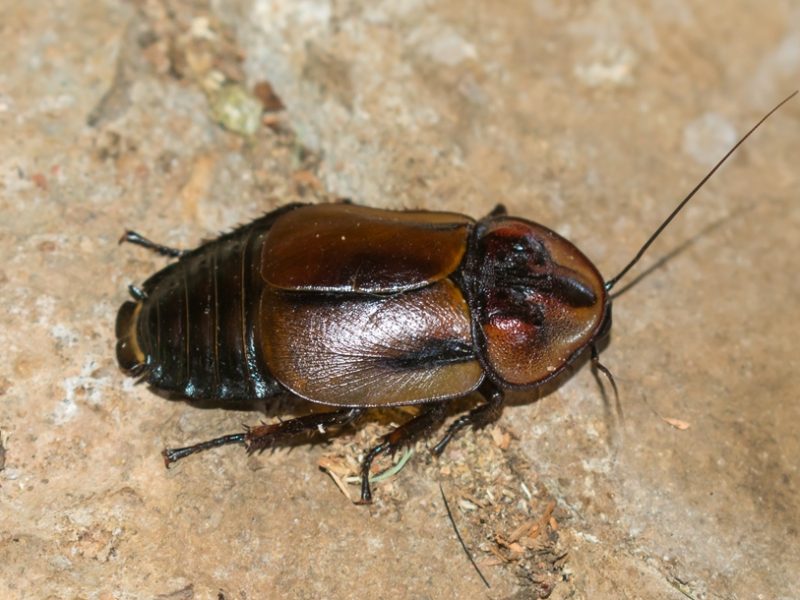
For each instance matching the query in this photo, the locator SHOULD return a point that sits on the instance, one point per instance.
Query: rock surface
(590, 117)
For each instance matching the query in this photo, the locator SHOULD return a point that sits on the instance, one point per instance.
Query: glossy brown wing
(345, 248)
(369, 351)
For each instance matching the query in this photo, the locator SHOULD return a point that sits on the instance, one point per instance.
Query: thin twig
(461, 540)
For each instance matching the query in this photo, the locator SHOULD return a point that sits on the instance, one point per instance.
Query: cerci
(357, 307)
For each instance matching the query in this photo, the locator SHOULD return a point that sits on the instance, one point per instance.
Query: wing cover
(354, 249)
(371, 351)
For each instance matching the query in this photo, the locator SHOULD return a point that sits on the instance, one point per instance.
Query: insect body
(356, 307)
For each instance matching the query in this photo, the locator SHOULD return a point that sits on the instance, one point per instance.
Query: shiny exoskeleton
(357, 307)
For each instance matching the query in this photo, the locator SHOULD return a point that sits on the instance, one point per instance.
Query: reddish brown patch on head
(539, 300)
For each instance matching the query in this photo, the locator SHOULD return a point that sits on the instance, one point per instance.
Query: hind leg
(266, 436)
(139, 240)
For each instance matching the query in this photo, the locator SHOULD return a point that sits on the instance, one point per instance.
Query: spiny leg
(478, 417)
(267, 435)
(139, 240)
(401, 436)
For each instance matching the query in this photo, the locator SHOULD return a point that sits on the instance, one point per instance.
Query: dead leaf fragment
(676, 423)
(266, 94)
(502, 439)
(336, 469)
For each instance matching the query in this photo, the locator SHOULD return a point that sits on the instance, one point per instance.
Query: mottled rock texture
(593, 118)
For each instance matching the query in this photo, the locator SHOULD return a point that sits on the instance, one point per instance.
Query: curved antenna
(613, 281)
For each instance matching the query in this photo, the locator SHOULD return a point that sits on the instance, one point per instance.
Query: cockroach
(357, 307)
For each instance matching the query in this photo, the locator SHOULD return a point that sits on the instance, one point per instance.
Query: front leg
(499, 210)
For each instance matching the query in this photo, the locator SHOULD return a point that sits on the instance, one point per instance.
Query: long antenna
(613, 281)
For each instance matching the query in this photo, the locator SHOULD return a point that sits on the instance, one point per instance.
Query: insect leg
(477, 417)
(498, 210)
(139, 240)
(264, 436)
(172, 455)
(137, 293)
(404, 434)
